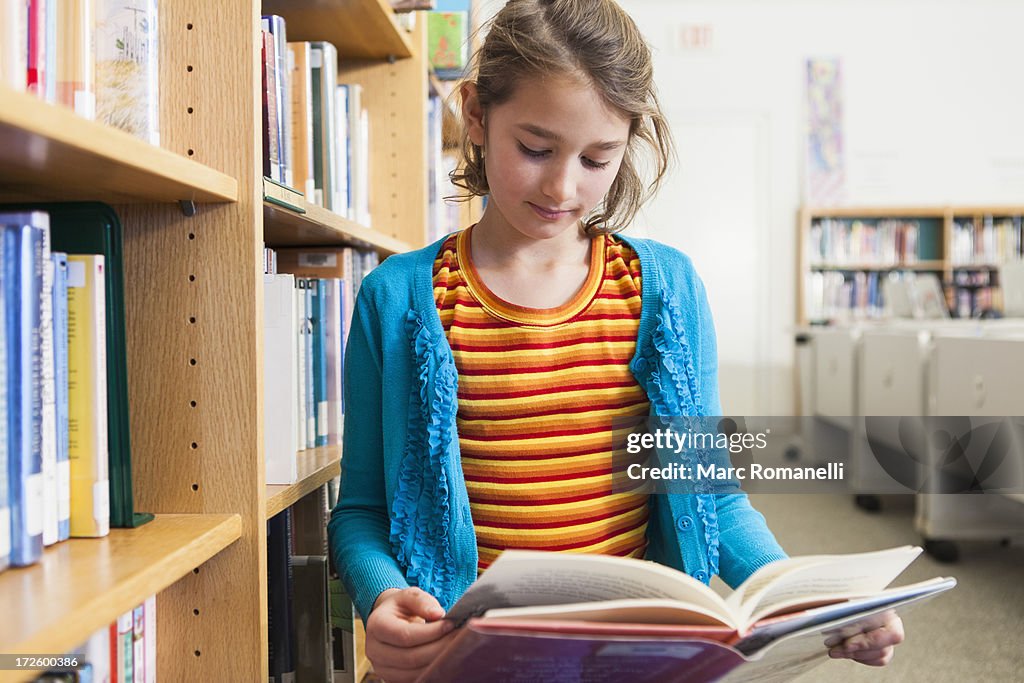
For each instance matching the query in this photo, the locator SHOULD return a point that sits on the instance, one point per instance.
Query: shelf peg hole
(191, 361)
(189, 68)
(190, 110)
(195, 612)
(195, 487)
(188, 26)
(194, 445)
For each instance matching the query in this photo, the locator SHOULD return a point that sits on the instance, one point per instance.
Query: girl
(483, 372)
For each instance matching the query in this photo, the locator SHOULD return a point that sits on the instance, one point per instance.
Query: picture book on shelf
(599, 617)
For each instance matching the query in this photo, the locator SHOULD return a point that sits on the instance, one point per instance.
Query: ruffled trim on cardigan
(421, 515)
(676, 393)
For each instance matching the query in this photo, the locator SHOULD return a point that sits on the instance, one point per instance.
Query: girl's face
(551, 152)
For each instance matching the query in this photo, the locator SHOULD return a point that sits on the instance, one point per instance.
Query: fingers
(415, 602)
(393, 663)
(874, 647)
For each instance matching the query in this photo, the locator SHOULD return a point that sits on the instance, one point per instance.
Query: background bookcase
(937, 250)
(196, 215)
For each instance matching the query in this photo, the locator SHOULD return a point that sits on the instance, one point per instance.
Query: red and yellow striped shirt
(538, 389)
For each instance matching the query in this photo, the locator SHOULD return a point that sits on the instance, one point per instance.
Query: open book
(572, 610)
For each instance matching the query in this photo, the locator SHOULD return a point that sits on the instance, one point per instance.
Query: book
(310, 618)
(25, 235)
(127, 71)
(87, 396)
(280, 379)
(574, 611)
(302, 119)
(7, 289)
(75, 65)
(60, 355)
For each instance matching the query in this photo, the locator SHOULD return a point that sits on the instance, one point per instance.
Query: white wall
(933, 114)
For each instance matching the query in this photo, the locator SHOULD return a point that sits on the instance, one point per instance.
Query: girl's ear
(472, 113)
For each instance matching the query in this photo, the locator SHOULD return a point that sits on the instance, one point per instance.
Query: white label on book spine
(5, 532)
(76, 273)
(34, 508)
(101, 503)
(317, 260)
(64, 490)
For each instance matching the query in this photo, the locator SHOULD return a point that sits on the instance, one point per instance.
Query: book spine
(329, 74)
(125, 651)
(60, 355)
(25, 400)
(87, 396)
(139, 644)
(300, 342)
(271, 139)
(343, 142)
(316, 99)
(332, 335)
(310, 395)
(150, 648)
(7, 289)
(280, 381)
(48, 431)
(319, 292)
(126, 51)
(75, 69)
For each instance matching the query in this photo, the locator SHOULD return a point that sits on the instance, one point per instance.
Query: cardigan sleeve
(358, 530)
(745, 542)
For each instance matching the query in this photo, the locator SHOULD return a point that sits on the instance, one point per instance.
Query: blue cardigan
(403, 516)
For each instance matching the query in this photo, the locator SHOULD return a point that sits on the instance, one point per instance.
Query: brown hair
(594, 40)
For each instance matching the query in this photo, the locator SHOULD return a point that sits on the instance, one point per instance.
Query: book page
(617, 612)
(521, 578)
(835, 577)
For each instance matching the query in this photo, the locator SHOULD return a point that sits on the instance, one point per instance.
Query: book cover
(324, 69)
(124, 663)
(139, 644)
(150, 638)
(280, 379)
(311, 407)
(447, 33)
(300, 354)
(127, 72)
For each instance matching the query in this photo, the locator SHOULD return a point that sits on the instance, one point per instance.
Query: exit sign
(696, 36)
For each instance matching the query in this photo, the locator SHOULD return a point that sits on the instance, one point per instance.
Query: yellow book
(87, 396)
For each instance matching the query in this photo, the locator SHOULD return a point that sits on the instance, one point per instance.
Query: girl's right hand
(405, 633)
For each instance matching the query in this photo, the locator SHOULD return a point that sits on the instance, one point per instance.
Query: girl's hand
(874, 647)
(405, 633)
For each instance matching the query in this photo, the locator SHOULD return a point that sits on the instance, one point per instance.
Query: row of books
(844, 296)
(311, 624)
(887, 242)
(989, 241)
(65, 454)
(98, 57)
(316, 131)
(307, 315)
(53, 454)
(123, 652)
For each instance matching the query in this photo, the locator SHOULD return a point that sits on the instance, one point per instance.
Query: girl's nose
(559, 185)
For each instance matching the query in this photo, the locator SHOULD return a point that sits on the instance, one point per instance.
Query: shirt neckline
(524, 315)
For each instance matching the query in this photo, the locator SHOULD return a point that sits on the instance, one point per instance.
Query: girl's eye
(596, 165)
(536, 153)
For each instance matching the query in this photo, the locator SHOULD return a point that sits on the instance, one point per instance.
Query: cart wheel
(868, 503)
(943, 551)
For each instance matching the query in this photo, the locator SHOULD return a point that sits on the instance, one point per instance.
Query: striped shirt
(537, 392)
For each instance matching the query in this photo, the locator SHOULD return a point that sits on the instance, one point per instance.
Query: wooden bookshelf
(316, 467)
(290, 221)
(193, 298)
(47, 152)
(88, 583)
(360, 29)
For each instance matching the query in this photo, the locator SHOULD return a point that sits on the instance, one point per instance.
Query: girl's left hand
(874, 647)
